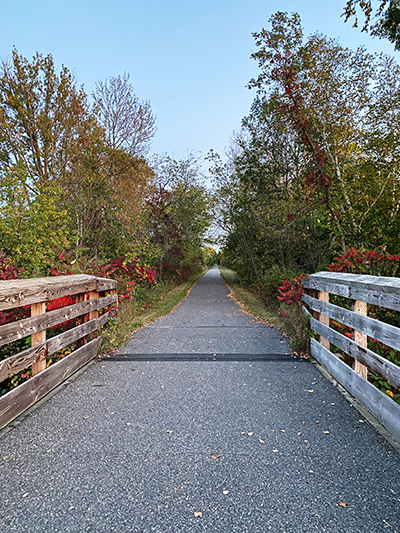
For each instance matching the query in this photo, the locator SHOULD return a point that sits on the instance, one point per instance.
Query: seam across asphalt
(204, 411)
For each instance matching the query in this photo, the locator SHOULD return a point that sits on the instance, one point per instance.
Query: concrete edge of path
(394, 443)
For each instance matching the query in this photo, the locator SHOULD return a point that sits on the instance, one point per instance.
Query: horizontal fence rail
(90, 294)
(359, 291)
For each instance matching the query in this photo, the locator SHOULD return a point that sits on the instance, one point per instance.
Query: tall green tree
(381, 19)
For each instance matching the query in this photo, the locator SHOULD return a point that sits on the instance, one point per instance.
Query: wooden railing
(360, 290)
(90, 294)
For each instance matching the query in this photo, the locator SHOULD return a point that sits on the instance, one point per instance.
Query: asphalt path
(204, 422)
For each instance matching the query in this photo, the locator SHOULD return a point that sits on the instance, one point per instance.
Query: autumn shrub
(129, 273)
(371, 262)
(292, 290)
(268, 287)
(9, 271)
(181, 273)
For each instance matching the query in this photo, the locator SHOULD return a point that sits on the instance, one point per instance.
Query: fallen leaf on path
(215, 456)
(198, 515)
(342, 504)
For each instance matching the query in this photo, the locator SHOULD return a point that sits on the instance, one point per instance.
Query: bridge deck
(255, 441)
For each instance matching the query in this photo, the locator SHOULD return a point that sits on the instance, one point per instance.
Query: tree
(179, 213)
(42, 113)
(387, 16)
(128, 123)
(318, 163)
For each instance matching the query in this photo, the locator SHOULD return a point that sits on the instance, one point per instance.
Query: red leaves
(59, 303)
(375, 262)
(128, 273)
(8, 270)
(291, 290)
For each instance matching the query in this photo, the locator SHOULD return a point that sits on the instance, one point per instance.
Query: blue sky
(190, 59)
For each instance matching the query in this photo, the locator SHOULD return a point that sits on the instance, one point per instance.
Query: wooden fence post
(360, 338)
(37, 338)
(81, 319)
(93, 314)
(324, 297)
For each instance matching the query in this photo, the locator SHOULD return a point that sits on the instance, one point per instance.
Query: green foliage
(314, 169)
(74, 182)
(386, 15)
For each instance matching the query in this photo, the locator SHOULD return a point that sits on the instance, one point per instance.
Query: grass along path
(154, 303)
(288, 319)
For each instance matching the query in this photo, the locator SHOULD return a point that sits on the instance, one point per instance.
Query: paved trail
(143, 440)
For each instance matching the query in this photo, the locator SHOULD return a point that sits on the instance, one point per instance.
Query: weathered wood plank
(105, 284)
(28, 326)
(372, 360)
(19, 292)
(19, 399)
(380, 405)
(93, 315)
(37, 338)
(389, 335)
(324, 297)
(18, 362)
(360, 338)
(377, 290)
